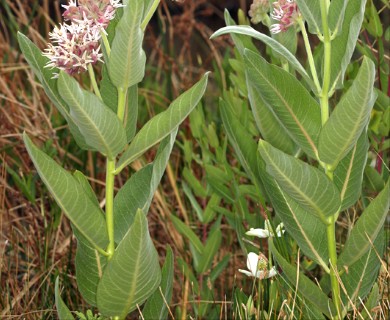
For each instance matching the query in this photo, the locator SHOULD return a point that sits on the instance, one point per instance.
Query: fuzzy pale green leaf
(132, 274)
(99, 125)
(311, 12)
(350, 117)
(62, 309)
(336, 15)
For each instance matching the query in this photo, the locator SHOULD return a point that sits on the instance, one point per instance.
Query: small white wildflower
(258, 267)
(267, 231)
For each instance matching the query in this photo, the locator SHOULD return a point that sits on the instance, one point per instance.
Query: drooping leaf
(163, 124)
(366, 229)
(349, 118)
(291, 102)
(37, 62)
(156, 306)
(70, 196)
(273, 44)
(127, 59)
(348, 176)
(303, 285)
(100, 126)
(344, 44)
(311, 12)
(132, 274)
(138, 191)
(307, 185)
(62, 309)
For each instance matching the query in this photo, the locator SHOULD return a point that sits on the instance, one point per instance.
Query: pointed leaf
(62, 309)
(138, 191)
(37, 62)
(336, 15)
(343, 45)
(186, 231)
(311, 11)
(163, 124)
(307, 185)
(156, 306)
(70, 196)
(127, 59)
(349, 118)
(348, 176)
(210, 249)
(273, 44)
(100, 126)
(366, 229)
(132, 274)
(293, 105)
(303, 285)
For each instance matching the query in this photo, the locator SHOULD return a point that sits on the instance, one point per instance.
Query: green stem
(149, 15)
(327, 63)
(93, 81)
(110, 206)
(309, 55)
(106, 43)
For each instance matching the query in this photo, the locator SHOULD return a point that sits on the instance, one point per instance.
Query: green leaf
(70, 196)
(138, 191)
(304, 227)
(343, 45)
(132, 274)
(366, 229)
(99, 125)
(163, 124)
(273, 44)
(371, 303)
(156, 306)
(303, 285)
(374, 180)
(186, 231)
(127, 60)
(37, 62)
(349, 118)
(348, 176)
(292, 104)
(62, 309)
(336, 15)
(210, 250)
(267, 122)
(362, 274)
(307, 185)
(86, 187)
(311, 12)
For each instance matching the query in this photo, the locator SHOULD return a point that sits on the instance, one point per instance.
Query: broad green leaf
(304, 227)
(336, 15)
(273, 44)
(132, 274)
(37, 62)
(311, 12)
(349, 118)
(82, 180)
(100, 126)
(186, 231)
(163, 124)
(366, 229)
(138, 191)
(267, 122)
(156, 306)
(70, 196)
(303, 285)
(292, 104)
(362, 274)
(307, 185)
(127, 60)
(210, 250)
(218, 180)
(371, 302)
(348, 176)
(343, 45)
(373, 179)
(62, 309)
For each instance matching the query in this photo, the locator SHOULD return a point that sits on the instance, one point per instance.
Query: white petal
(272, 273)
(246, 272)
(252, 262)
(261, 233)
(280, 230)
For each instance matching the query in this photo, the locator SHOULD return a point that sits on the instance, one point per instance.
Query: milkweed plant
(117, 265)
(309, 162)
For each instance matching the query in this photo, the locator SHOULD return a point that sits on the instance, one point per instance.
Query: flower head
(259, 10)
(258, 267)
(286, 12)
(267, 231)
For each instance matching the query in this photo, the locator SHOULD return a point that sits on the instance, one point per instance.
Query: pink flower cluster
(76, 45)
(286, 12)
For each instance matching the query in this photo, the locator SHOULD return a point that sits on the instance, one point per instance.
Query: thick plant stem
(95, 87)
(110, 206)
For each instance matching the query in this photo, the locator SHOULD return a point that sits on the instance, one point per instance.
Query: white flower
(267, 231)
(258, 267)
